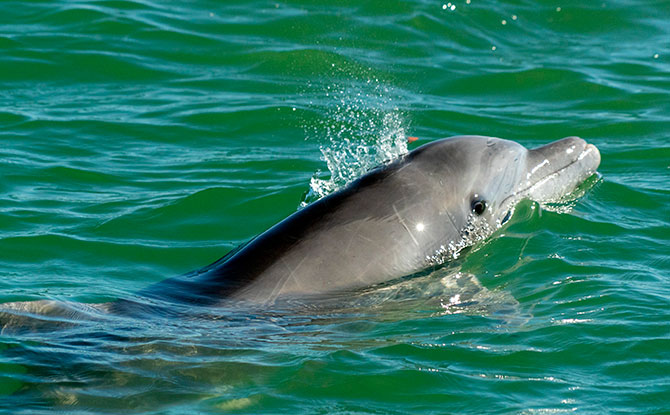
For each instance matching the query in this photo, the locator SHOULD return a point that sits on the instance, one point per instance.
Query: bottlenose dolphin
(403, 217)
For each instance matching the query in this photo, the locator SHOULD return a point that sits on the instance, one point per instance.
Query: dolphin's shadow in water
(83, 350)
(83, 345)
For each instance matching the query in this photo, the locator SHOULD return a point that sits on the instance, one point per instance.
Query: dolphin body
(403, 217)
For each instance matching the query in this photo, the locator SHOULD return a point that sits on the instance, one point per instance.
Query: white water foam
(362, 128)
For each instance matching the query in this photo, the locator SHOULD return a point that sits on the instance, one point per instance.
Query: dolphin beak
(558, 168)
(566, 151)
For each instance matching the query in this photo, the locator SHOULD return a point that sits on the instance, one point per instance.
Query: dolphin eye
(478, 206)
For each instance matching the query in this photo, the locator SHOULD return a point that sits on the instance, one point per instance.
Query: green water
(141, 140)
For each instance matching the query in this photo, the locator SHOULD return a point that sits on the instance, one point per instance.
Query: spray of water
(362, 127)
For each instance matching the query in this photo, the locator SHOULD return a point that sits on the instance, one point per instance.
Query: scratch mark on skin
(354, 235)
(453, 222)
(365, 238)
(404, 225)
(280, 287)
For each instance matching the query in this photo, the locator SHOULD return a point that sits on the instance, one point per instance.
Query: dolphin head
(482, 179)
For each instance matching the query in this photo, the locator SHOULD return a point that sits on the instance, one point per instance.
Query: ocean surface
(140, 140)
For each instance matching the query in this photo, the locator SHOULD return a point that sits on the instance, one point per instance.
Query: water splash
(475, 231)
(362, 127)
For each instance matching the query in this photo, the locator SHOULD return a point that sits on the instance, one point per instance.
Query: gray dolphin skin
(401, 218)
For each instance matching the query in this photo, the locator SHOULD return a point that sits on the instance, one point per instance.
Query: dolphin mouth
(556, 169)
